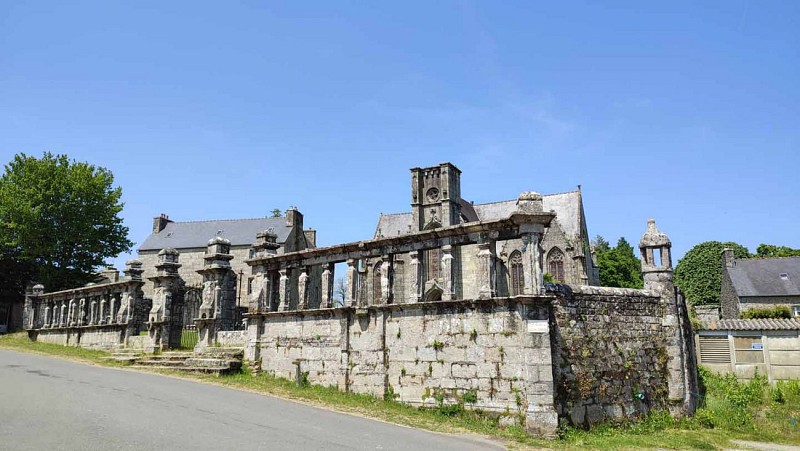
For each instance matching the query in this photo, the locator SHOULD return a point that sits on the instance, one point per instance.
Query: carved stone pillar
(447, 273)
(327, 286)
(71, 313)
(112, 308)
(103, 307)
(283, 290)
(47, 317)
(532, 263)
(352, 283)
(302, 289)
(485, 276)
(386, 268)
(416, 277)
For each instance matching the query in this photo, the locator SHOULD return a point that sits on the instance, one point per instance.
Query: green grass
(731, 410)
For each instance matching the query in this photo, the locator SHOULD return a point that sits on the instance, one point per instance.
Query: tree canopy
(770, 250)
(618, 265)
(699, 272)
(59, 220)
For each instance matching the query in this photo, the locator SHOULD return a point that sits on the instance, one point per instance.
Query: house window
(517, 273)
(555, 264)
(796, 311)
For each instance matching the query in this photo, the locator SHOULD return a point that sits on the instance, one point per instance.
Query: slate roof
(762, 276)
(193, 234)
(566, 205)
(753, 324)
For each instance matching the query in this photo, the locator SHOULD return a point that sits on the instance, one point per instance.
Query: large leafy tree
(699, 272)
(618, 265)
(770, 250)
(59, 220)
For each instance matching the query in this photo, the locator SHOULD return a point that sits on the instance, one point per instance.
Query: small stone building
(759, 283)
(191, 239)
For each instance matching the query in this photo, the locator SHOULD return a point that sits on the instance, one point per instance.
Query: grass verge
(731, 410)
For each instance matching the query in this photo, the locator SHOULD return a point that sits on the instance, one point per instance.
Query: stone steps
(218, 361)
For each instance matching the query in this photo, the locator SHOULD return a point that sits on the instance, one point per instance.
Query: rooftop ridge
(225, 220)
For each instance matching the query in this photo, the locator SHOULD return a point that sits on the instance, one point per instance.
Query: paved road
(48, 403)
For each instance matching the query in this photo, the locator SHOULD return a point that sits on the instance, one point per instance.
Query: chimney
(727, 258)
(294, 218)
(159, 222)
(311, 237)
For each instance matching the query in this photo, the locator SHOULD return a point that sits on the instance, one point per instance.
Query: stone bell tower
(435, 195)
(655, 249)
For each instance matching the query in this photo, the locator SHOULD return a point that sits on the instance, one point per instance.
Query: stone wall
(493, 355)
(610, 354)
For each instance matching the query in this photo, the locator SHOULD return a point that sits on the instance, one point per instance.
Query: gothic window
(432, 260)
(376, 283)
(517, 274)
(555, 264)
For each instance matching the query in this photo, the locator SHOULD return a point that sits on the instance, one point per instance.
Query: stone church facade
(436, 202)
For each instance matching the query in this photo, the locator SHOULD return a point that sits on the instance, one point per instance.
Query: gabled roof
(766, 276)
(194, 234)
(566, 205)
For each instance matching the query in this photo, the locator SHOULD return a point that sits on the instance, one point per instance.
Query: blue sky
(688, 112)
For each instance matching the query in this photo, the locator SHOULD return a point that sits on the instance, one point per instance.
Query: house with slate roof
(759, 283)
(191, 238)
(436, 201)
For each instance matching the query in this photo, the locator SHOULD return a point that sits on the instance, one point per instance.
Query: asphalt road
(49, 403)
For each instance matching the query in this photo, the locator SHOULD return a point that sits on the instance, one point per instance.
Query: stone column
(82, 312)
(71, 313)
(62, 318)
(327, 286)
(532, 263)
(103, 307)
(302, 289)
(386, 268)
(416, 277)
(485, 274)
(112, 307)
(283, 290)
(352, 283)
(47, 317)
(447, 273)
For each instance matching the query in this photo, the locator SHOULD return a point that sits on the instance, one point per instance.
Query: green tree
(276, 213)
(770, 250)
(618, 265)
(699, 272)
(59, 220)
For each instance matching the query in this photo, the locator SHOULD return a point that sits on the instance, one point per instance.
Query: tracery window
(517, 273)
(555, 264)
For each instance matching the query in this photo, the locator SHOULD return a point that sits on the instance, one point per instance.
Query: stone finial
(168, 255)
(653, 237)
(133, 269)
(38, 289)
(529, 202)
(266, 243)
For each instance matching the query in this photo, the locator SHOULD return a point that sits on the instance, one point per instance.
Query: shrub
(777, 312)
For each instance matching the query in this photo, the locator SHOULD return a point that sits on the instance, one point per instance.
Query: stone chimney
(159, 222)
(311, 237)
(294, 218)
(727, 258)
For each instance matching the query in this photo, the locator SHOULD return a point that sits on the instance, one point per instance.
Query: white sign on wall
(538, 326)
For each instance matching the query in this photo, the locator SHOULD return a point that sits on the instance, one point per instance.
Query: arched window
(555, 264)
(517, 274)
(376, 283)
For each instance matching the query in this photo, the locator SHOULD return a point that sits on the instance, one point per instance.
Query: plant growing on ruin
(473, 335)
(437, 345)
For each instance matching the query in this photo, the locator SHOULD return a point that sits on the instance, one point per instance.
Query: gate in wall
(189, 311)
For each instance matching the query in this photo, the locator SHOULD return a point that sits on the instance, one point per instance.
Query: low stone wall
(232, 338)
(610, 354)
(107, 338)
(492, 354)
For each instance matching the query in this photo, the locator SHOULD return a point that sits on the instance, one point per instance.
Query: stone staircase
(126, 356)
(217, 361)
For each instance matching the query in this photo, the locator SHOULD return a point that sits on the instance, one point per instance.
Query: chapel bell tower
(435, 195)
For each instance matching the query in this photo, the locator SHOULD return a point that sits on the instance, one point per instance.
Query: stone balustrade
(103, 314)
(441, 264)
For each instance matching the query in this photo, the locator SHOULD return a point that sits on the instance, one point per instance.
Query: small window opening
(657, 257)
